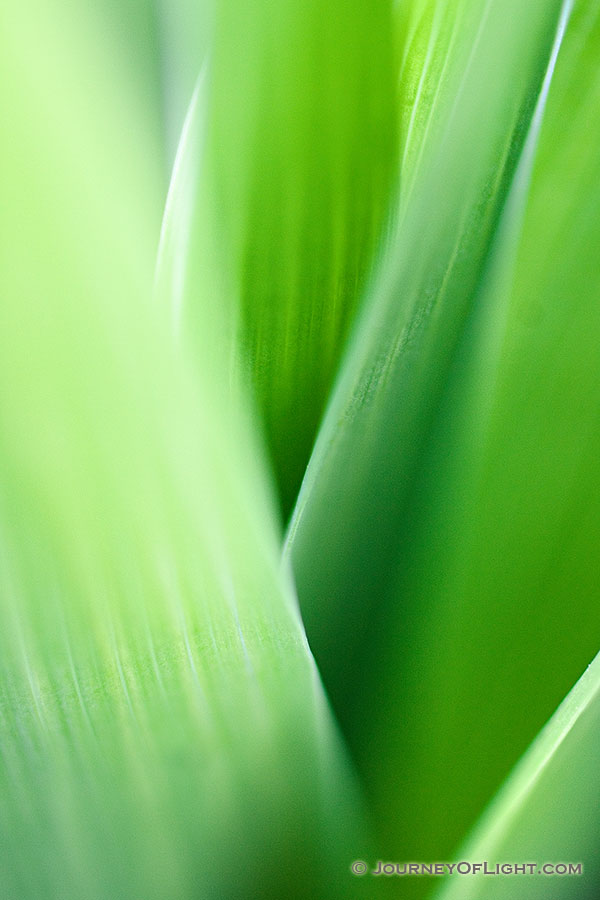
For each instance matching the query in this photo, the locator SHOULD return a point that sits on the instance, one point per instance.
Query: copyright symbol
(358, 867)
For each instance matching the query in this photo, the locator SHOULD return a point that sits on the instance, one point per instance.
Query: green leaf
(291, 166)
(496, 594)
(163, 730)
(547, 812)
(436, 542)
(345, 536)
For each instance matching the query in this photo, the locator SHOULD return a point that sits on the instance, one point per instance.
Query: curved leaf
(403, 591)
(291, 187)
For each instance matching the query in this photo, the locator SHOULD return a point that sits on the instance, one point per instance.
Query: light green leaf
(163, 731)
(185, 28)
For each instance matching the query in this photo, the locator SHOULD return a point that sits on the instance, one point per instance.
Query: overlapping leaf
(163, 732)
(344, 537)
(431, 524)
(504, 537)
(291, 184)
